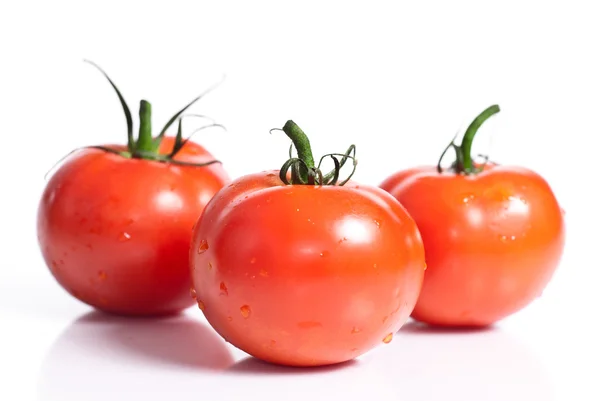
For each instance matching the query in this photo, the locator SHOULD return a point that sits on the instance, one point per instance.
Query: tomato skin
(305, 275)
(389, 183)
(115, 232)
(492, 241)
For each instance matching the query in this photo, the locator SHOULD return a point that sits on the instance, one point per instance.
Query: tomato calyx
(303, 169)
(463, 163)
(146, 146)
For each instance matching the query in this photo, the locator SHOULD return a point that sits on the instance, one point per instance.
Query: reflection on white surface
(100, 357)
(467, 365)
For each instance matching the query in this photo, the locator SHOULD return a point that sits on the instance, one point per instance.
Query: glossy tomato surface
(492, 240)
(305, 275)
(115, 232)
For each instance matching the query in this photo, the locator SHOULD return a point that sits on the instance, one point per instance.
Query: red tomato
(305, 274)
(493, 238)
(115, 231)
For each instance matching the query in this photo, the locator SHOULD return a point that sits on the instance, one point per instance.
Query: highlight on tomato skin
(494, 235)
(305, 268)
(114, 221)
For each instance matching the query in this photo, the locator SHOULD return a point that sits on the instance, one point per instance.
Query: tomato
(115, 227)
(493, 235)
(303, 274)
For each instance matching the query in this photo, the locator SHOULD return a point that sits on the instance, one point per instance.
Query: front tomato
(301, 274)
(493, 236)
(114, 222)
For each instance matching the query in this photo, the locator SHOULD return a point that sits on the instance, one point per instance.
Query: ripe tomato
(305, 275)
(115, 227)
(493, 236)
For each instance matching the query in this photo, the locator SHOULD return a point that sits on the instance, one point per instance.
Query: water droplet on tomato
(102, 275)
(424, 267)
(374, 265)
(124, 236)
(229, 318)
(388, 338)
(468, 198)
(223, 288)
(201, 305)
(355, 330)
(193, 293)
(245, 311)
(253, 261)
(377, 223)
(324, 254)
(512, 237)
(203, 246)
(297, 210)
(503, 238)
(264, 273)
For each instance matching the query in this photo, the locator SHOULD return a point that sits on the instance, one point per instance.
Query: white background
(398, 79)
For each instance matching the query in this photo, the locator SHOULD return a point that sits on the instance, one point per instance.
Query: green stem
(302, 145)
(145, 142)
(467, 142)
(146, 147)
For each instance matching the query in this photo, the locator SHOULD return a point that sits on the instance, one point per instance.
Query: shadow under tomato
(255, 366)
(355, 379)
(417, 327)
(171, 339)
(102, 355)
